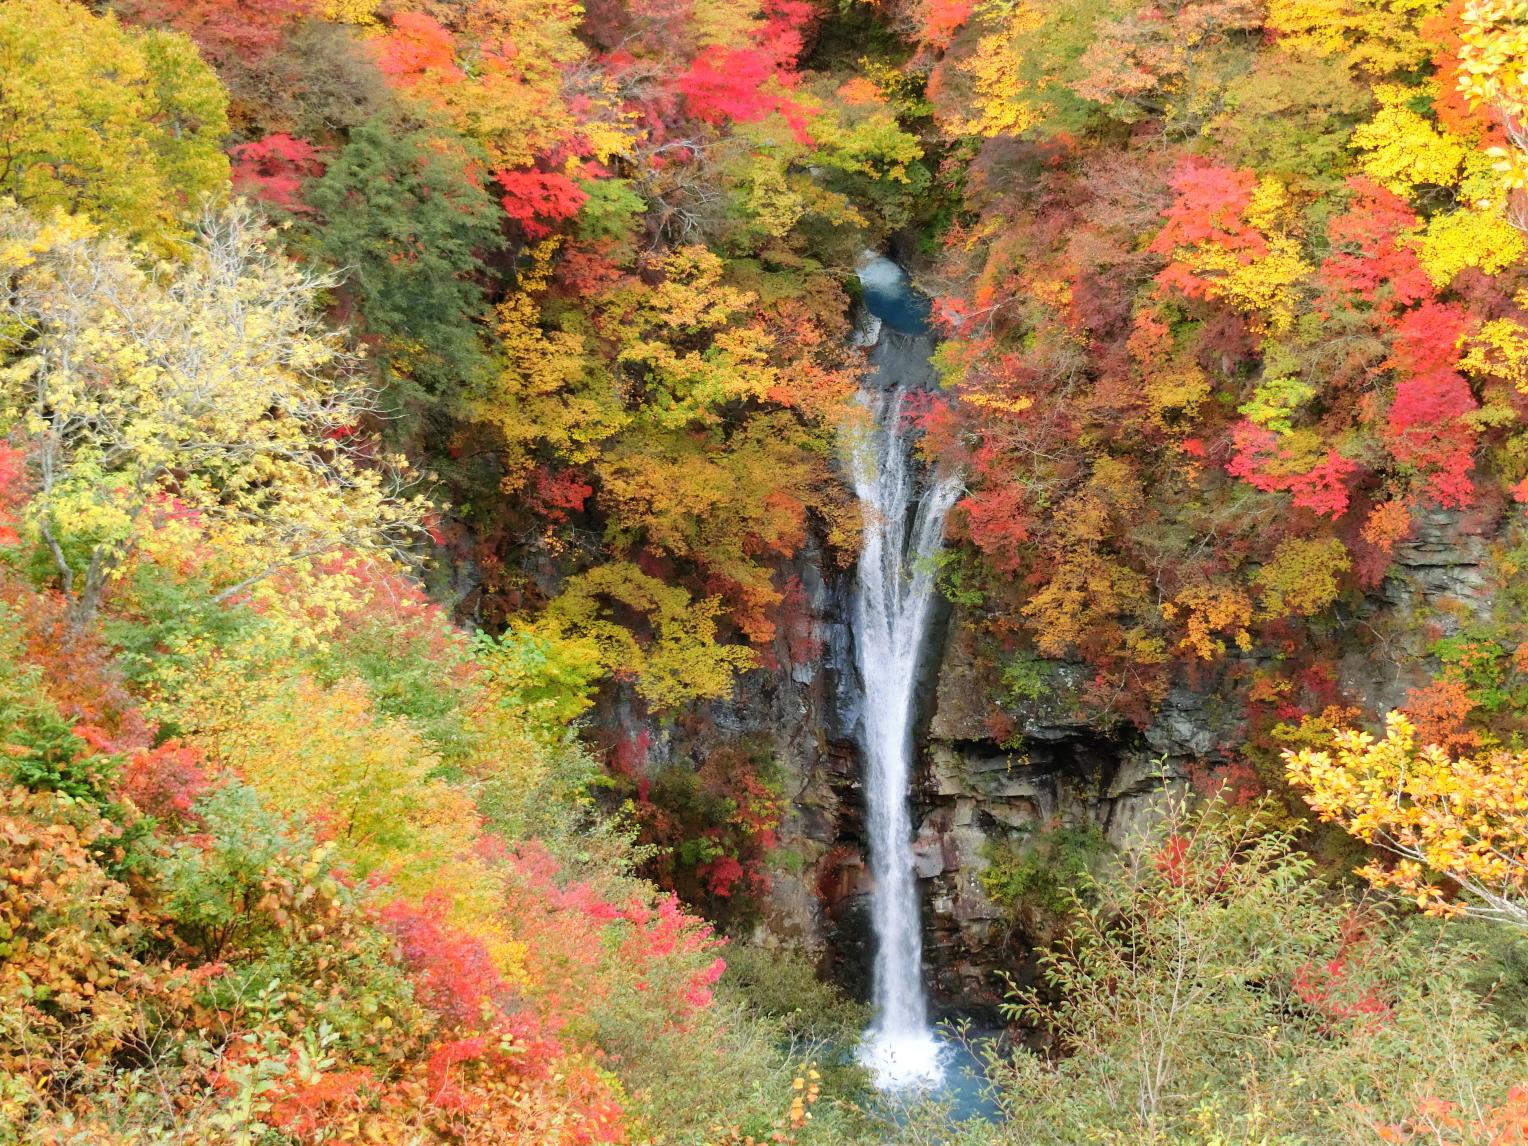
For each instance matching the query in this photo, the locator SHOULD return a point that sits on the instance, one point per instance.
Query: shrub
(1035, 880)
(1214, 981)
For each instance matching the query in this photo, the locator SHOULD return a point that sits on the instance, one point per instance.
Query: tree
(406, 219)
(1436, 818)
(1289, 116)
(275, 169)
(1231, 237)
(1302, 576)
(1375, 37)
(1426, 427)
(701, 447)
(206, 402)
(727, 85)
(511, 75)
(1018, 71)
(326, 753)
(123, 125)
(1161, 61)
(1493, 41)
(1370, 255)
(1318, 479)
(538, 200)
(647, 631)
(70, 980)
(229, 32)
(1402, 149)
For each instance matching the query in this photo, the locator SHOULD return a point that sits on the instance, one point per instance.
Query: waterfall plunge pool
(962, 1092)
(890, 297)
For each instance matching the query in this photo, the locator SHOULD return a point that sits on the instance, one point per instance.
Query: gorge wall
(1053, 765)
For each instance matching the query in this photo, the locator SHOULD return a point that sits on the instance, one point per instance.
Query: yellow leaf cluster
(1434, 816)
(1086, 597)
(1266, 288)
(1176, 390)
(370, 778)
(359, 12)
(519, 69)
(546, 389)
(1377, 36)
(123, 124)
(1302, 577)
(1001, 102)
(726, 23)
(995, 403)
(1493, 45)
(1401, 149)
(675, 661)
(211, 392)
(1479, 237)
(1498, 349)
(691, 352)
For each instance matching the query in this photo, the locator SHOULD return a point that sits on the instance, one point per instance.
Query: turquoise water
(891, 297)
(960, 1096)
(965, 1084)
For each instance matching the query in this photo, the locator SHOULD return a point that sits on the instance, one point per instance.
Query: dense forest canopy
(410, 407)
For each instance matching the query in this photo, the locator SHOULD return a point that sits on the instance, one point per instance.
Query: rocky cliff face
(1052, 767)
(1056, 769)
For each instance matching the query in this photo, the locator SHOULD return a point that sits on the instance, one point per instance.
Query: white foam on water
(904, 1062)
(877, 272)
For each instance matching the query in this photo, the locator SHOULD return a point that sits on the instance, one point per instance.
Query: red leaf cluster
(1367, 255)
(539, 200)
(275, 169)
(1264, 463)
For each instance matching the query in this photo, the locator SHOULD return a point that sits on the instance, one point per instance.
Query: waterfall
(904, 510)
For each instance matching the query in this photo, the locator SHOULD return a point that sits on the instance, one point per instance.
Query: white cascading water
(904, 511)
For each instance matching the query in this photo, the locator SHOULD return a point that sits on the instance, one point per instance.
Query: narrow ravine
(904, 509)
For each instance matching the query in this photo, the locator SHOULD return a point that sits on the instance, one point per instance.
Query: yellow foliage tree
(1377, 36)
(208, 394)
(1302, 577)
(649, 632)
(517, 63)
(683, 346)
(367, 781)
(723, 510)
(1480, 237)
(1441, 819)
(323, 752)
(1401, 149)
(1498, 349)
(1493, 45)
(122, 124)
(1003, 102)
(1208, 610)
(549, 390)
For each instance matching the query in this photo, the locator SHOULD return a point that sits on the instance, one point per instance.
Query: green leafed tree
(406, 221)
(1214, 989)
